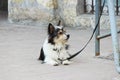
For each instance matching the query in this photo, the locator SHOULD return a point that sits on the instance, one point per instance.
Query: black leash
(72, 56)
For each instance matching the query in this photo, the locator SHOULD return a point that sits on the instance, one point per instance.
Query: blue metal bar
(114, 34)
(117, 7)
(97, 41)
(105, 35)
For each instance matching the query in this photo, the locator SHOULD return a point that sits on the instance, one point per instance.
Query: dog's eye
(60, 32)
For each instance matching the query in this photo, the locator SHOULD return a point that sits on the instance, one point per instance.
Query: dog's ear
(50, 29)
(59, 23)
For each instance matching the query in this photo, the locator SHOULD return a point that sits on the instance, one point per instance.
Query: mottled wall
(27, 11)
(69, 10)
(45, 11)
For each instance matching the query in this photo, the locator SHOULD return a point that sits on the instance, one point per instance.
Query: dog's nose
(68, 36)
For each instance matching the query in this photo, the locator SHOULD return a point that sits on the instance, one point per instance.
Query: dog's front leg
(51, 61)
(64, 55)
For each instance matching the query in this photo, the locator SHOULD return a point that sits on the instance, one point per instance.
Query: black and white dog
(55, 48)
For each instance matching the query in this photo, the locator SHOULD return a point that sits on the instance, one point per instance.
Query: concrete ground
(20, 46)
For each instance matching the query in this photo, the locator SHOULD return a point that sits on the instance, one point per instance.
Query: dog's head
(57, 34)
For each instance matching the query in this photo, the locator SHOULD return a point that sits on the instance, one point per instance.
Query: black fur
(42, 56)
(52, 34)
(59, 23)
(51, 40)
(67, 46)
(50, 29)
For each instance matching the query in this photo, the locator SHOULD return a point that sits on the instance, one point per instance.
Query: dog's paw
(53, 63)
(56, 64)
(66, 62)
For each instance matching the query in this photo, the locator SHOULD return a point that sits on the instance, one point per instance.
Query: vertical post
(114, 34)
(117, 7)
(97, 32)
(85, 6)
(92, 11)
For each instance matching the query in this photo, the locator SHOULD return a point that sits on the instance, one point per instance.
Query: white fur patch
(53, 52)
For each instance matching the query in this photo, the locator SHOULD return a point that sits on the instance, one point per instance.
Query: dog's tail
(42, 56)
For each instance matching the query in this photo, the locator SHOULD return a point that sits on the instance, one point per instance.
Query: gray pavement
(20, 46)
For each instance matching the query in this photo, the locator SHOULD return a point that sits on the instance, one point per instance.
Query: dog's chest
(58, 48)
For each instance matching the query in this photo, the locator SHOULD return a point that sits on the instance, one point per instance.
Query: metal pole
(85, 6)
(92, 7)
(105, 35)
(117, 7)
(114, 34)
(97, 32)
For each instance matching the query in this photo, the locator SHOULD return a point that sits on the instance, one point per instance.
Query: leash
(74, 55)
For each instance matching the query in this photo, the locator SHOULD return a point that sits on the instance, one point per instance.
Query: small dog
(55, 48)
